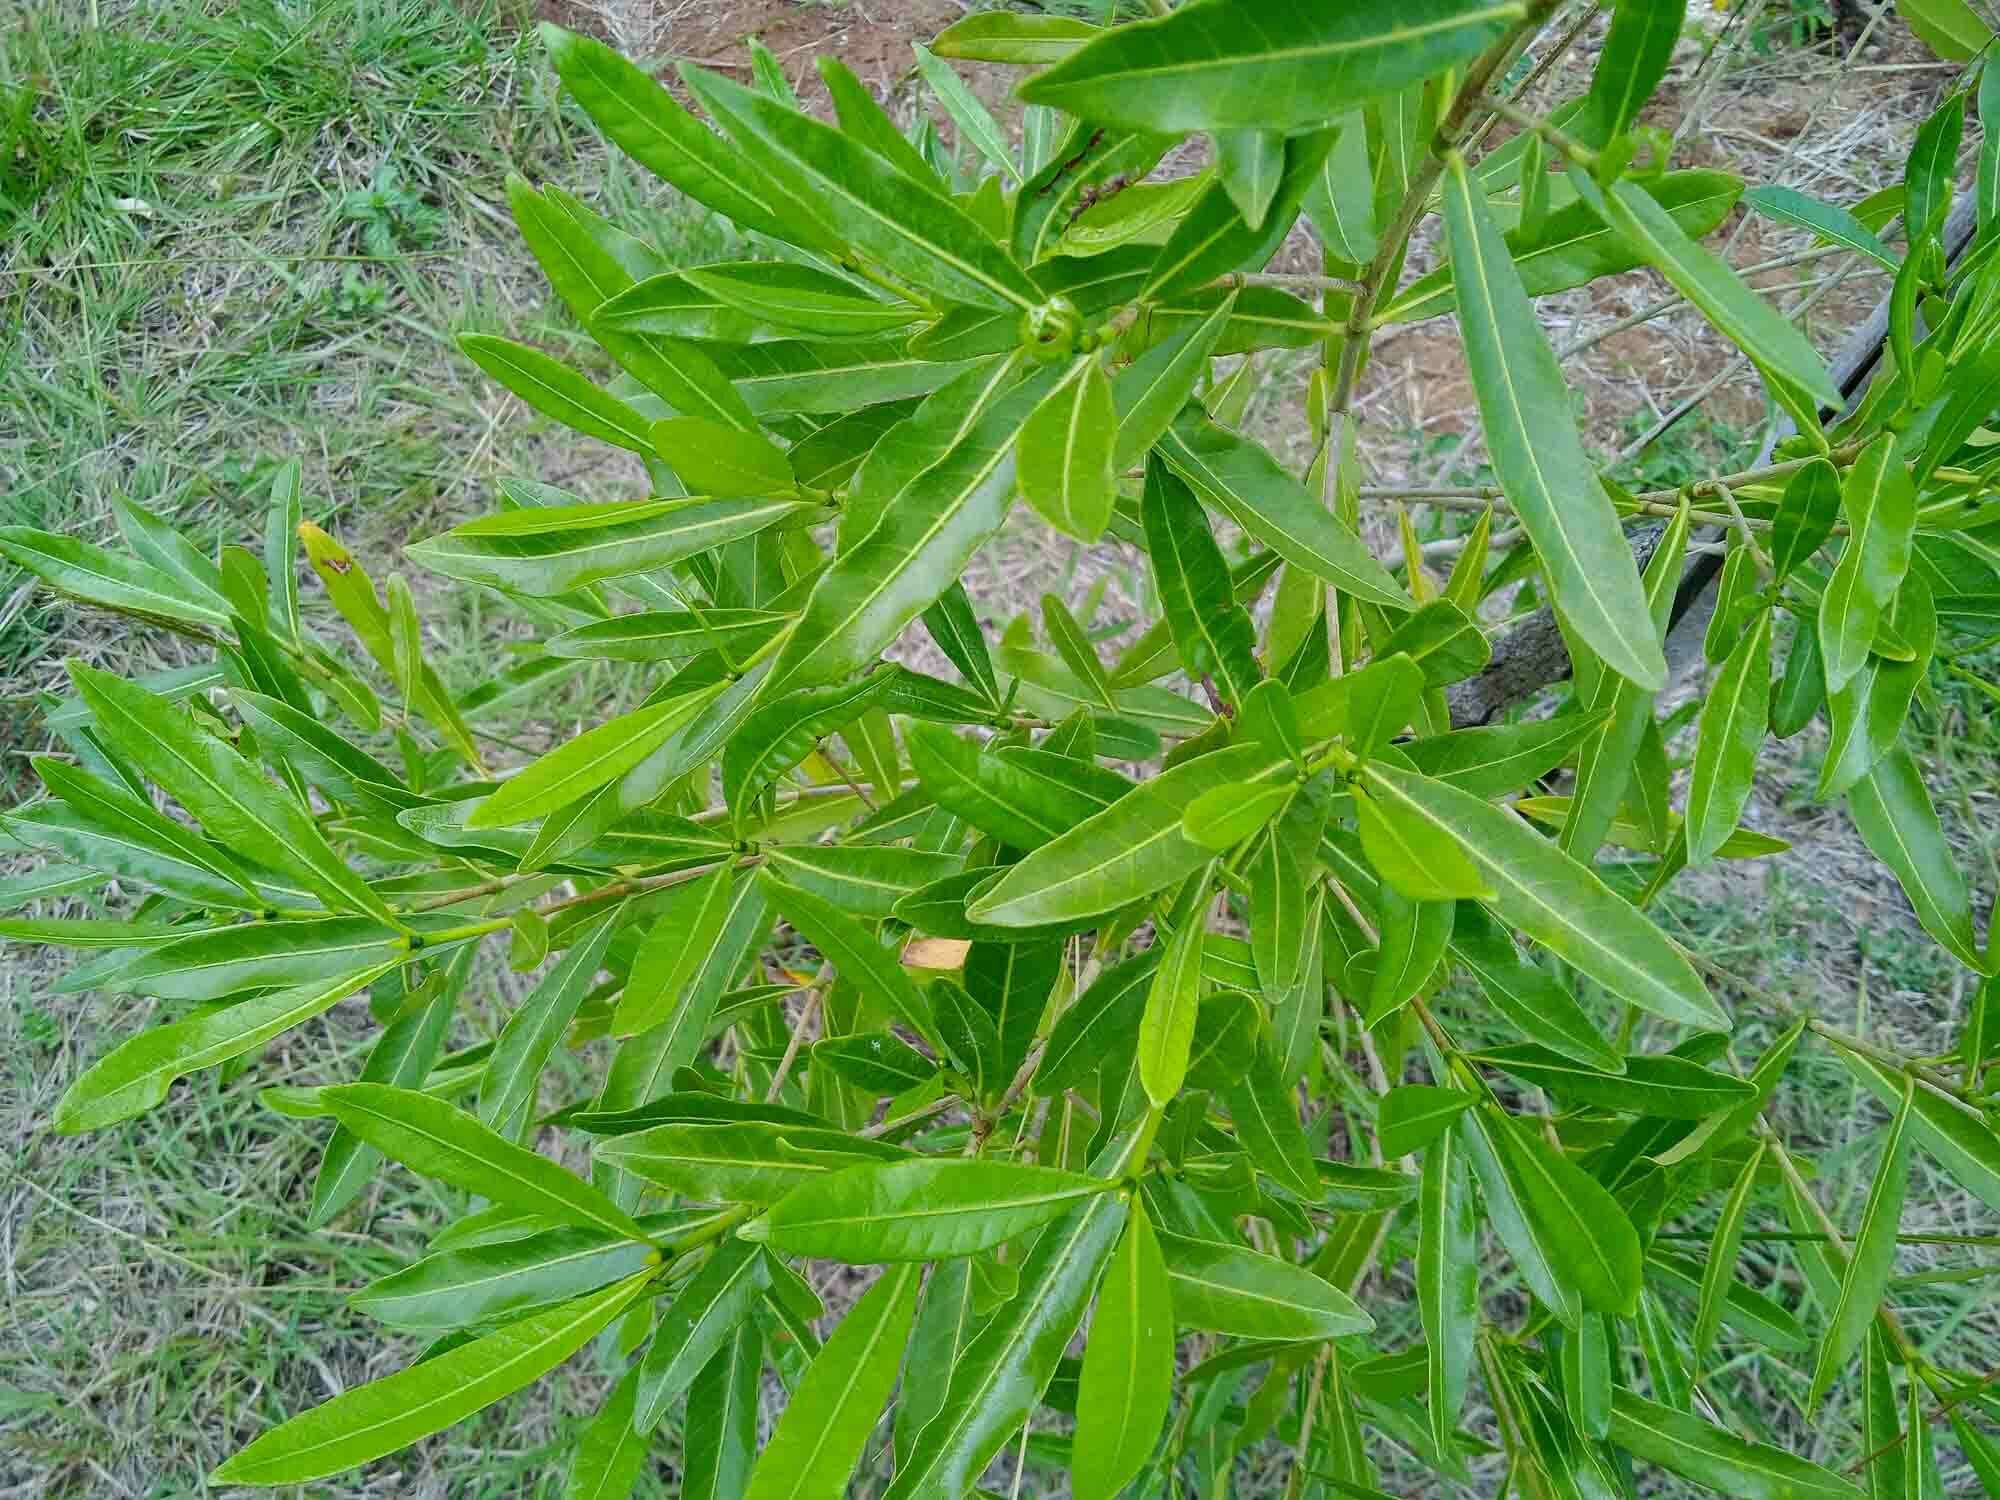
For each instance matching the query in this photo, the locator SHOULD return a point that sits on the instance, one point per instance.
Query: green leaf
(911, 233)
(1010, 37)
(1502, 758)
(147, 844)
(1340, 202)
(1412, 1115)
(781, 732)
(1735, 717)
(924, 1209)
(740, 1161)
(1102, 1023)
(391, 1413)
(233, 803)
(1737, 312)
(1534, 1001)
(1880, 502)
(1166, 1027)
(786, 297)
(1126, 1386)
(1637, 49)
(1249, 164)
(491, 1283)
(952, 625)
(878, 1061)
(1213, 238)
(1000, 1373)
(1129, 850)
(1213, 632)
(436, 1139)
(1962, 1142)
(281, 547)
(1021, 800)
(1806, 516)
(109, 580)
(1608, 763)
(508, 1087)
(1227, 64)
(1572, 1243)
(134, 1076)
(1554, 900)
(1447, 1274)
(611, 1453)
(853, 951)
(669, 635)
(1542, 468)
(403, 1055)
(215, 961)
(1832, 224)
(554, 389)
(1892, 811)
(1243, 480)
(1719, 1460)
(713, 459)
(1950, 28)
(1264, 1109)
(1413, 937)
(651, 127)
(1229, 1289)
(1657, 1084)
(703, 1315)
(1413, 859)
(1930, 175)
(1573, 247)
(719, 1438)
(1872, 1256)
(1150, 392)
(976, 127)
(1720, 1268)
(1073, 645)
(922, 538)
(1064, 459)
(826, 1423)
(582, 765)
(558, 549)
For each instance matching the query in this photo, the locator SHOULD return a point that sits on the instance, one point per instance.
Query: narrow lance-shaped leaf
(1734, 720)
(1716, 1458)
(1131, 849)
(393, 1412)
(699, 1322)
(134, 1076)
(1065, 453)
(826, 1423)
(1128, 1366)
(1447, 1279)
(914, 234)
(1880, 501)
(1555, 900)
(1166, 1029)
(582, 765)
(1743, 317)
(1214, 66)
(234, 804)
(1248, 485)
(1720, 1269)
(1873, 1255)
(926, 1209)
(1547, 477)
(1214, 632)
(1892, 811)
(1002, 1372)
(435, 1138)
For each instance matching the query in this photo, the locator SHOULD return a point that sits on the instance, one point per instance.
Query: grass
(236, 234)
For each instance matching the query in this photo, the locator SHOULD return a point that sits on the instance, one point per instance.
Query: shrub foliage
(1187, 1010)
